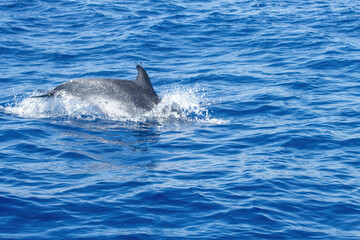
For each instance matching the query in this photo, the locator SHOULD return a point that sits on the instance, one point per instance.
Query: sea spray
(178, 103)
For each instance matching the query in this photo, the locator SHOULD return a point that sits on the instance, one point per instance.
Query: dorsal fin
(143, 79)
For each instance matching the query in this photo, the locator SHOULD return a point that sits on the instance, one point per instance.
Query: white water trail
(176, 104)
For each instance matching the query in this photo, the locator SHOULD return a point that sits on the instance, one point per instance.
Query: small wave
(177, 104)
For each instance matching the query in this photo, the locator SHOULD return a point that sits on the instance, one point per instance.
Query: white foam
(177, 104)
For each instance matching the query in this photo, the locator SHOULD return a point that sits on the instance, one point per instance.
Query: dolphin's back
(137, 94)
(120, 90)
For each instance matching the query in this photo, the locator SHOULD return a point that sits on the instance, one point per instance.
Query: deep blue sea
(265, 142)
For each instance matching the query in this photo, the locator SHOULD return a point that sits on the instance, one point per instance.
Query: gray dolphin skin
(138, 94)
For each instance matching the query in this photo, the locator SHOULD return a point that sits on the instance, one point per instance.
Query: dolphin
(137, 94)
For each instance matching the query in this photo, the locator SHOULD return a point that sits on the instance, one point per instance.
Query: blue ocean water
(266, 144)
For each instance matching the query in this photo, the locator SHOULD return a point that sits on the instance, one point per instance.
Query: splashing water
(176, 104)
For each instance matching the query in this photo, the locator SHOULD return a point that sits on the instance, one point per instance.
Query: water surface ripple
(266, 145)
